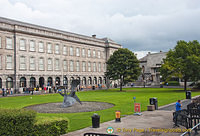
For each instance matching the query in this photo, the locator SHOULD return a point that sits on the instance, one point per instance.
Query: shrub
(16, 122)
(173, 83)
(20, 122)
(197, 86)
(50, 128)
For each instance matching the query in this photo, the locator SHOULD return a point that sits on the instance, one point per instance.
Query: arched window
(90, 81)
(78, 78)
(58, 81)
(65, 81)
(72, 78)
(95, 80)
(49, 81)
(84, 81)
(41, 81)
(32, 82)
(9, 82)
(22, 82)
(104, 81)
(100, 80)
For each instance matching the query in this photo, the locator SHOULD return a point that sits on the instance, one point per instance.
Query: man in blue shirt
(178, 105)
(178, 108)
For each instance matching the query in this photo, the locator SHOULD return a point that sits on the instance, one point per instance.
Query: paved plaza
(150, 123)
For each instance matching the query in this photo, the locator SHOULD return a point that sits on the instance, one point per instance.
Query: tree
(123, 65)
(183, 62)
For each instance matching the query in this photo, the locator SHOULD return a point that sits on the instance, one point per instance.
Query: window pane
(84, 66)
(89, 66)
(22, 44)
(89, 53)
(71, 51)
(32, 46)
(32, 63)
(99, 67)
(41, 47)
(65, 50)
(41, 64)
(104, 67)
(71, 65)
(77, 66)
(8, 43)
(50, 64)
(94, 67)
(9, 62)
(57, 49)
(94, 53)
(99, 54)
(65, 65)
(77, 52)
(57, 64)
(49, 48)
(83, 52)
(22, 62)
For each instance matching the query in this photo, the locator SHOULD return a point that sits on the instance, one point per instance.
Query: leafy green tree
(183, 62)
(124, 66)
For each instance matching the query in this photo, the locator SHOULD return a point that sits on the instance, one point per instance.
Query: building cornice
(30, 29)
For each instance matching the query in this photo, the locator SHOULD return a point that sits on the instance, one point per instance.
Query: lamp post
(161, 85)
(143, 76)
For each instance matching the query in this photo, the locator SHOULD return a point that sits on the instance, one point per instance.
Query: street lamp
(143, 76)
(161, 85)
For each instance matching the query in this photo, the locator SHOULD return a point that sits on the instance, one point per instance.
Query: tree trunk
(120, 87)
(185, 85)
(121, 84)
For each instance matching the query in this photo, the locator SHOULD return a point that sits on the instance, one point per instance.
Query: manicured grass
(123, 101)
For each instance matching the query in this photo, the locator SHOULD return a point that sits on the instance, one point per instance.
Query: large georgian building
(32, 55)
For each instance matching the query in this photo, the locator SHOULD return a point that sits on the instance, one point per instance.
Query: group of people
(6, 91)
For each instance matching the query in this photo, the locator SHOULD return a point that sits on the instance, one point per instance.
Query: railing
(189, 132)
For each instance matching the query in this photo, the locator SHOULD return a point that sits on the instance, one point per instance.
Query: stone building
(32, 55)
(150, 65)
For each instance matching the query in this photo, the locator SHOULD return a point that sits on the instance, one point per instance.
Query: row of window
(57, 48)
(91, 66)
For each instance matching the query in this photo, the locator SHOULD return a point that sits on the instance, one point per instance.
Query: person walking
(178, 109)
(3, 92)
(178, 105)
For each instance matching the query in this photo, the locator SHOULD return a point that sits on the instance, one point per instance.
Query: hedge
(173, 83)
(20, 122)
(50, 128)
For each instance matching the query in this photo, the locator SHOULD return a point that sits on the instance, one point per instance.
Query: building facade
(150, 65)
(32, 55)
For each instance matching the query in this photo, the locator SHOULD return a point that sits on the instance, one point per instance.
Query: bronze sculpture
(71, 98)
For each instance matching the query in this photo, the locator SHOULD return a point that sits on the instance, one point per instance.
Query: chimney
(94, 35)
(160, 51)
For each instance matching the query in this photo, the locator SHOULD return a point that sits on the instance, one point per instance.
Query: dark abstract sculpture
(71, 98)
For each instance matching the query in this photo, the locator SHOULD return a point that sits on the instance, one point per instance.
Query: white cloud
(137, 25)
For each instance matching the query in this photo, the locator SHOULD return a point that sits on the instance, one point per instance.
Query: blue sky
(139, 25)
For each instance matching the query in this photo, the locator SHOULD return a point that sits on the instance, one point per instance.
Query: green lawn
(123, 101)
